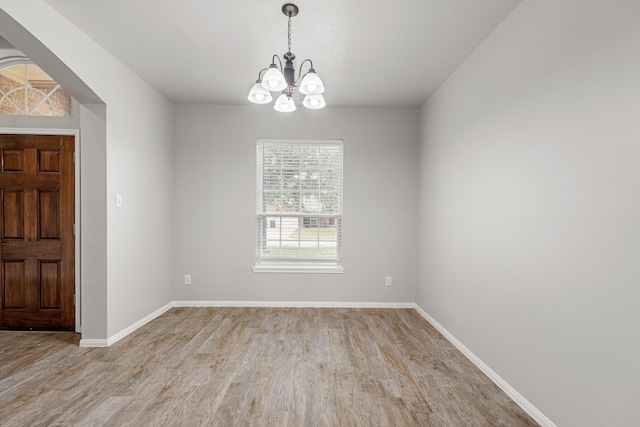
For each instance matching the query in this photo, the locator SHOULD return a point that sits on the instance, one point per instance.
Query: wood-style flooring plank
(252, 367)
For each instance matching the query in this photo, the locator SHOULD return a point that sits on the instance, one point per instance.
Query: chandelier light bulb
(284, 104)
(314, 102)
(259, 95)
(311, 84)
(273, 79)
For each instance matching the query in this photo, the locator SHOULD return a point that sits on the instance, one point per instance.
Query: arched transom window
(26, 89)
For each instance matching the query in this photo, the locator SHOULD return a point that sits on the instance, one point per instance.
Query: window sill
(314, 269)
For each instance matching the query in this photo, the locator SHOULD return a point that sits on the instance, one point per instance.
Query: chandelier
(277, 79)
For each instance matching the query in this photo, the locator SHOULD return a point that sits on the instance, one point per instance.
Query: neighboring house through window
(299, 205)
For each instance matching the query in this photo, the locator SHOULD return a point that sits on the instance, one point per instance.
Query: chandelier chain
(289, 32)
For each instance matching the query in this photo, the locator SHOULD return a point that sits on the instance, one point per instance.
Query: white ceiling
(369, 53)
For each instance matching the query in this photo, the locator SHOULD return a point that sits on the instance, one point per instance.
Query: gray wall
(126, 138)
(529, 208)
(93, 221)
(215, 187)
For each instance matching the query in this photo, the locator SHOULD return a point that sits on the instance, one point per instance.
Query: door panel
(37, 244)
(13, 161)
(13, 285)
(49, 161)
(13, 224)
(49, 283)
(48, 222)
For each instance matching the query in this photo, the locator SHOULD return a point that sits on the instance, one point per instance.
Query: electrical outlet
(388, 281)
(187, 279)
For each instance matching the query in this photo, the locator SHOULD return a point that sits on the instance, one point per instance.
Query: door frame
(78, 217)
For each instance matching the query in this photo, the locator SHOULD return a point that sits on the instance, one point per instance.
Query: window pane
(299, 202)
(28, 90)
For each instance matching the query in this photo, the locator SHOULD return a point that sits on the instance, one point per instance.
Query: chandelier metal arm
(288, 71)
(273, 61)
(300, 76)
(260, 73)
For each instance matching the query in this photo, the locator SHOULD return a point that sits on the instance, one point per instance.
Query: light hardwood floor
(252, 367)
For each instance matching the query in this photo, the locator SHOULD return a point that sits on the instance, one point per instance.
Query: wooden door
(37, 244)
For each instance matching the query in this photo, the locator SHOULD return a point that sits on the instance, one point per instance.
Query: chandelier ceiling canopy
(283, 80)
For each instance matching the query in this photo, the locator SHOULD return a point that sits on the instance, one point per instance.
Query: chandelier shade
(283, 80)
(284, 104)
(274, 79)
(259, 95)
(314, 101)
(311, 83)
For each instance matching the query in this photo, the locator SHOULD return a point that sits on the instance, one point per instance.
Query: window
(299, 206)
(26, 89)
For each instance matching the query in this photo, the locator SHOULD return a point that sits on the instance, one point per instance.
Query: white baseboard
(94, 343)
(294, 304)
(126, 331)
(538, 416)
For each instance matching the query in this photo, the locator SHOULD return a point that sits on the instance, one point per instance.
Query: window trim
(305, 269)
(292, 266)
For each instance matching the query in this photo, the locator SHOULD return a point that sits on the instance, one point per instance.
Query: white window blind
(299, 204)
